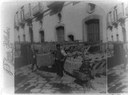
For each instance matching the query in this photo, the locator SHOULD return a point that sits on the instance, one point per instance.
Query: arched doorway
(93, 30)
(60, 33)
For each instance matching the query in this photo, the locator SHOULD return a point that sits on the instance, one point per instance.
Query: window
(24, 37)
(31, 34)
(22, 13)
(126, 10)
(93, 30)
(109, 21)
(71, 37)
(16, 19)
(59, 17)
(112, 37)
(117, 36)
(60, 33)
(110, 14)
(19, 38)
(42, 36)
(115, 14)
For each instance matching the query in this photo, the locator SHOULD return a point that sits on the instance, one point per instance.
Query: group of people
(60, 57)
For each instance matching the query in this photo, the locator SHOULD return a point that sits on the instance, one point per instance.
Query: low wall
(45, 59)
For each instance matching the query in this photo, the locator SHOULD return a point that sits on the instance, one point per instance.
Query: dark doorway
(42, 36)
(60, 33)
(93, 30)
(31, 34)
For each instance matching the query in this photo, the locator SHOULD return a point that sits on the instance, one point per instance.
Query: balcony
(27, 12)
(22, 22)
(37, 10)
(55, 6)
(20, 18)
(120, 12)
(27, 16)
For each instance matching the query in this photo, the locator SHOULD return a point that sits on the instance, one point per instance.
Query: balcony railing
(38, 9)
(22, 22)
(55, 6)
(27, 16)
(27, 12)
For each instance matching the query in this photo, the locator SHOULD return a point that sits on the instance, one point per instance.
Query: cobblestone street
(118, 79)
(27, 81)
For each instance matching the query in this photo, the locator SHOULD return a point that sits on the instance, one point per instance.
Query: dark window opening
(71, 37)
(117, 36)
(59, 17)
(24, 37)
(112, 37)
(31, 34)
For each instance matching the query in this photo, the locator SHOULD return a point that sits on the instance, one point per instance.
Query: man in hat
(60, 57)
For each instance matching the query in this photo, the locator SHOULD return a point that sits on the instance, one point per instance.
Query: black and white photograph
(65, 47)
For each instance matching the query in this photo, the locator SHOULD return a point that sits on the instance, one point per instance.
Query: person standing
(60, 57)
(34, 58)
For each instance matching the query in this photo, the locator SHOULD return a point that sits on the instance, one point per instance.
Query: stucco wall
(49, 24)
(118, 29)
(73, 17)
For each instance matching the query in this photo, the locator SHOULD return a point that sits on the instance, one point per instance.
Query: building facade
(69, 21)
(117, 23)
